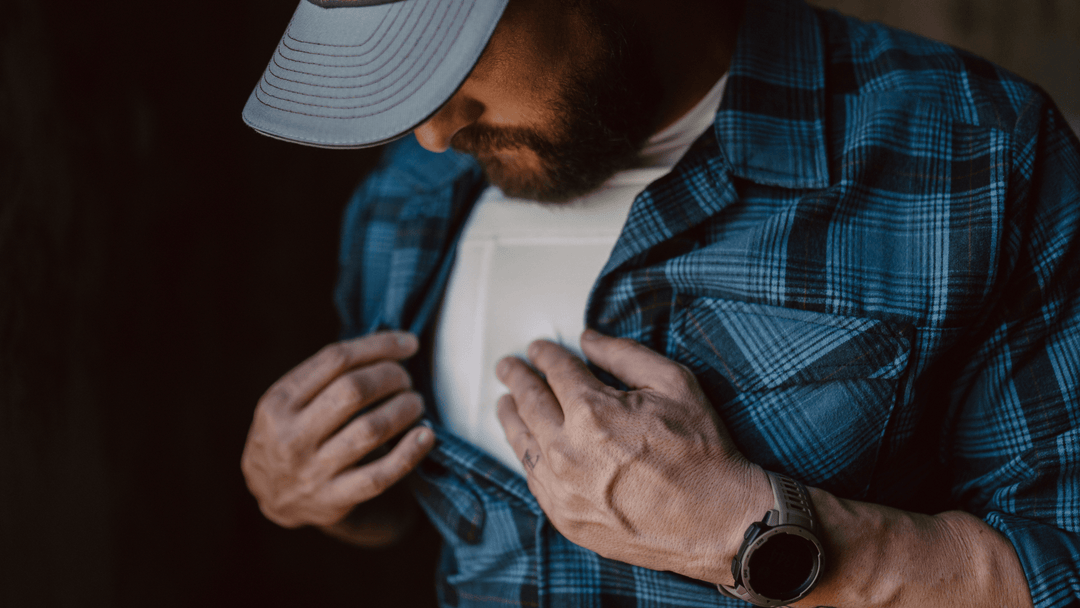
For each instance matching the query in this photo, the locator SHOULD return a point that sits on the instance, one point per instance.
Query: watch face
(784, 566)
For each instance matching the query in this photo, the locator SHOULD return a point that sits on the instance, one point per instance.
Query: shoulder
(871, 60)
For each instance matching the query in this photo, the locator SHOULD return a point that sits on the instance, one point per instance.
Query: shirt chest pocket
(802, 393)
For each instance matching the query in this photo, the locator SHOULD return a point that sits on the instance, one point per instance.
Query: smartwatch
(781, 559)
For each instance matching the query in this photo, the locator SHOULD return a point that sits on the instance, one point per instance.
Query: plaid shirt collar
(770, 129)
(771, 123)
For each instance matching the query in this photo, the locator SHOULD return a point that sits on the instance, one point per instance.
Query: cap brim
(359, 76)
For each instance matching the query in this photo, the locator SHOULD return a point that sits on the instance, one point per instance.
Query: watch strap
(791, 503)
(791, 507)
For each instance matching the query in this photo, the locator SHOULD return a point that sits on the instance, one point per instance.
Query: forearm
(883, 557)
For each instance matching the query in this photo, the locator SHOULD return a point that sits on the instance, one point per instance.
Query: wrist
(730, 520)
(759, 502)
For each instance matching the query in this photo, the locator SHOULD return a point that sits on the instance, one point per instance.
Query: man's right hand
(301, 455)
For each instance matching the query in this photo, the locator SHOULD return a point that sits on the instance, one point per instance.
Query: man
(845, 302)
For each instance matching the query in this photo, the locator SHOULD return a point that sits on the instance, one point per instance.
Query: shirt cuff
(1049, 556)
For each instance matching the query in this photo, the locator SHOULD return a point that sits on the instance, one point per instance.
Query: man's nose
(458, 113)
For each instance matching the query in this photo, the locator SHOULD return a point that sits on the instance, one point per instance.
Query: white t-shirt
(524, 271)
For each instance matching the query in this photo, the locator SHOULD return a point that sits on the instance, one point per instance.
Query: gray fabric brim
(353, 77)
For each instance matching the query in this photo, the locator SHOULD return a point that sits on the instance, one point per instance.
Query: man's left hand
(650, 476)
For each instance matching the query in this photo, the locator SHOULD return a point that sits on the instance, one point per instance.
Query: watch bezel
(744, 578)
(792, 514)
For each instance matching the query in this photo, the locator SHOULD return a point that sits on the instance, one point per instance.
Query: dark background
(161, 264)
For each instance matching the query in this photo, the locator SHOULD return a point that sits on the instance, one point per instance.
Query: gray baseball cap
(358, 73)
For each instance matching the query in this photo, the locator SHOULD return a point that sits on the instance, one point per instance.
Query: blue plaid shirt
(871, 262)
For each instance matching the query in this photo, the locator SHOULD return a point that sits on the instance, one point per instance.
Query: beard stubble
(603, 114)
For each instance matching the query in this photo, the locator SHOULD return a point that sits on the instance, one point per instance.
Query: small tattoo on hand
(530, 460)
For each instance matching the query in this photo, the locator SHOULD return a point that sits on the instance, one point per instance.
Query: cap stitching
(397, 13)
(351, 65)
(401, 35)
(388, 86)
(378, 43)
(461, 26)
(322, 86)
(390, 73)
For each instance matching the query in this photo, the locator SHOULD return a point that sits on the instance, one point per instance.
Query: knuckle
(350, 389)
(638, 402)
(413, 404)
(594, 423)
(334, 356)
(372, 484)
(594, 402)
(678, 375)
(522, 436)
(369, 431)
(275, 397)
(686, 373)
(533, 393)
(392, 373)
(307, 485)
(288, 457)
(290, 446)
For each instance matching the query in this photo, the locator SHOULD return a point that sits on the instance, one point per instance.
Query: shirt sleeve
(1016, 448)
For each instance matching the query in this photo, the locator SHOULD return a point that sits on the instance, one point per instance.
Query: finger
(536, 404)
(368, 481)
(525, 446)
(570, 380)
(350, 393)
(635, 364)
(306, 380)
(369, 431)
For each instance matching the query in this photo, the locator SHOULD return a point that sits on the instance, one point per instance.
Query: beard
(603, 113)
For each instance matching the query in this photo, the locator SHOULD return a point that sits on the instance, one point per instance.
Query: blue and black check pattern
(872, 263)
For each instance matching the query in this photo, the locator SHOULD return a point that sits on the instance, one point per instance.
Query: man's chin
(535, 183)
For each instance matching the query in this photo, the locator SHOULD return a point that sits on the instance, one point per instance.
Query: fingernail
(533, 349)
(406, 340)
(501, 368)
(423, 436)
(590, 335)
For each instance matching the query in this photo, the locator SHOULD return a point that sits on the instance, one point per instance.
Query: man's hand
(301, 453)
(651, 478)
(638, 476)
